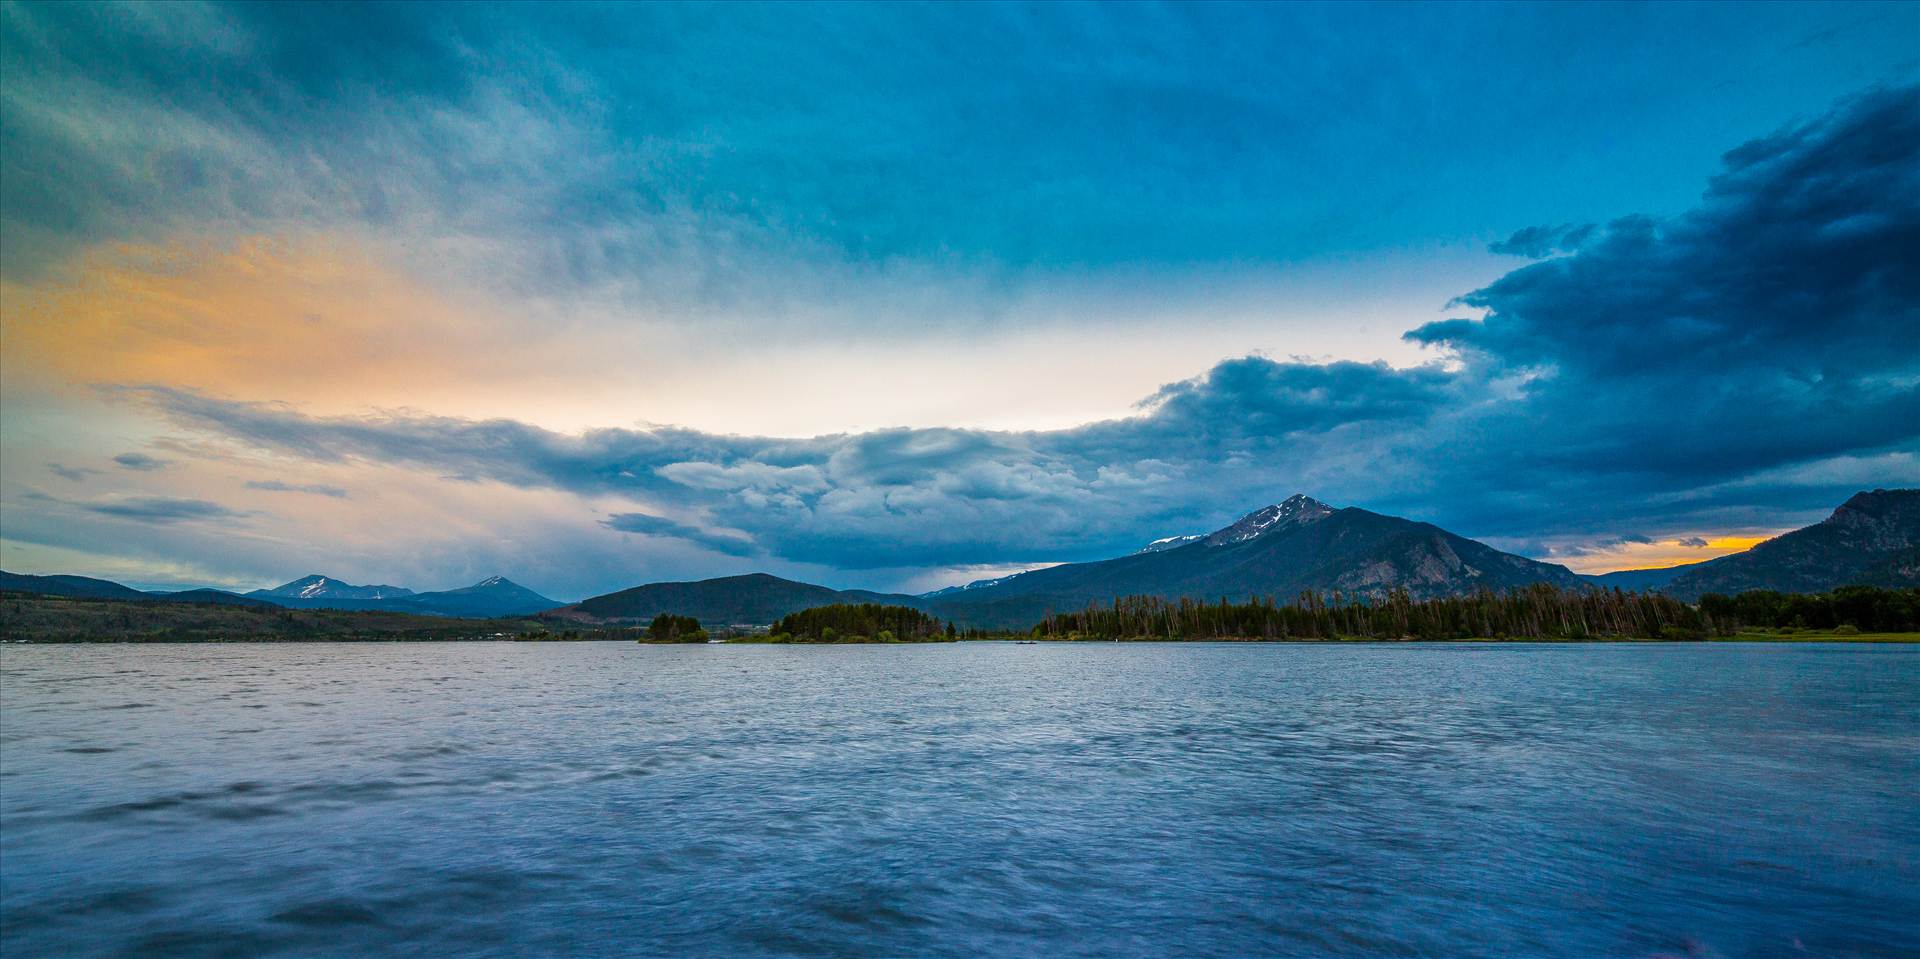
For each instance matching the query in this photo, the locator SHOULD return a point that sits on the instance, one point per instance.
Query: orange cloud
(315, 321)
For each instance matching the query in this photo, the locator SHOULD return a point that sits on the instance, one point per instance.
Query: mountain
(976, 584)
(81, 587)
(1872, 538)
(1900, 569)
(493, 596)
(1638, 580)
(754, 599)
(76, 586)
(1277, 551)
(217, 597)
(317, 587)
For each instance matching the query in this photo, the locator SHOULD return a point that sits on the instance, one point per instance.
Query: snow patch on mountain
(315, 586)
(1296, 510)
(1171, 542)
(984, 583)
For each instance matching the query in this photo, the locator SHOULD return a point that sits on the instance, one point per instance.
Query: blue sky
(894, 296)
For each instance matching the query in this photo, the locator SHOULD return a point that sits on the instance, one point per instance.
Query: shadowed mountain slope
(755, 599)
(1872, 538)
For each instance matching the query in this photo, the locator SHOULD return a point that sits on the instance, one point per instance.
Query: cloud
(1258, 396)
(159, 509)
(1771, 324)
(72, 474)
(894, 498)
(649, 525)
(1635, 382)
(140, 462)
(1537, 242)
(317, 489)
(1693, 542)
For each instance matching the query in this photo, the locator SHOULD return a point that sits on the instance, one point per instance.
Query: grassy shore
(47, 619)
(1816, 636)
(781, 639)
(1769, 636)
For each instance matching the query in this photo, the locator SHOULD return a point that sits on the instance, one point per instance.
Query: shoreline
(1867, 639)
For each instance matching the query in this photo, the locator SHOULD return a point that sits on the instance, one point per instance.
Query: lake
(508, 799)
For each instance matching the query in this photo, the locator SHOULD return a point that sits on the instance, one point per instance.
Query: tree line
(668, 628)
(1868, 608)
(1536, 612)
(860, 623)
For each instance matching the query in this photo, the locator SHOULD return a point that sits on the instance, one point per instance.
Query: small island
(845, 623)
(668, 628)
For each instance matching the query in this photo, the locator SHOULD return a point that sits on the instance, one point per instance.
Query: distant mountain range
(82, 587)
(492, 597)
(77, 586)
(1278, 551)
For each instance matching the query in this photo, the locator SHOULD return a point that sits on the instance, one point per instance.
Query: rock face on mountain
(1278, 551)
(754, 599)
(1873, 538)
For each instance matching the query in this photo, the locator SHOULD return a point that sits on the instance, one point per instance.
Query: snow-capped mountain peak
(1295, 510)
(314, 586)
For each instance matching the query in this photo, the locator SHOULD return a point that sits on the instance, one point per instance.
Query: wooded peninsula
(1535, 613)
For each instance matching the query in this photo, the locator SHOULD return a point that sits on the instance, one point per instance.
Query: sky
(898, 296)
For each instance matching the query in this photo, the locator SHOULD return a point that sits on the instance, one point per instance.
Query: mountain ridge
(747, 599)
(315, 586)
(1868, 535)
(1276, 551)
(491, 597)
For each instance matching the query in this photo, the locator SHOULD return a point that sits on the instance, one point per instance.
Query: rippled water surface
(975, 799)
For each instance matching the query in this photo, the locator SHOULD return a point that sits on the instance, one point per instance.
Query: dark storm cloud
(1774, 323)
(1536, 242)
(1801, 259)
(1260, 397)
(1669, 374)
(649, 525)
